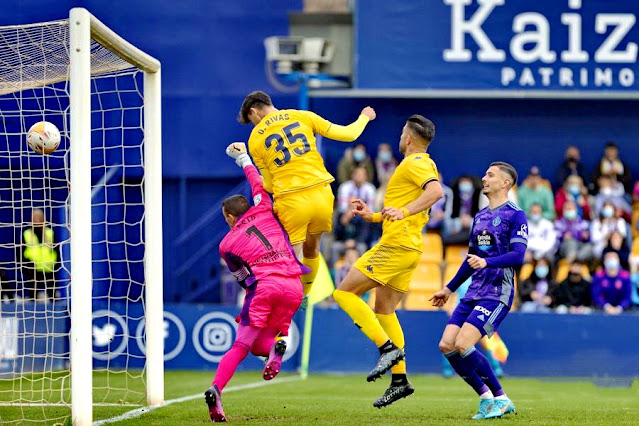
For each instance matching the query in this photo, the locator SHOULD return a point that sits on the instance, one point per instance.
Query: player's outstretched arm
(237, 150)
(432, 192)
(347, 133)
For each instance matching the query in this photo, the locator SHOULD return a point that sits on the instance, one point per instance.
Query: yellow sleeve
(258, 160)
(348, 133)
(422, 172)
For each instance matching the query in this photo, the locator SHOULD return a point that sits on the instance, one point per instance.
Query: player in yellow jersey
(284, 149)
(389, 265)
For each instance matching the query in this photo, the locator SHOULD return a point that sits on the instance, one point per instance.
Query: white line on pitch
(139, 411)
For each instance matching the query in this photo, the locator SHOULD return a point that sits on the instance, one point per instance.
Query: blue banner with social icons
(34, 337)
(567, 45)
(195, 337)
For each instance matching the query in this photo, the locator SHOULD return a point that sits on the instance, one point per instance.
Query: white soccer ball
(43, 137)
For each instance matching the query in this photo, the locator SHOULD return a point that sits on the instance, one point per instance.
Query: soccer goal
(83, 332)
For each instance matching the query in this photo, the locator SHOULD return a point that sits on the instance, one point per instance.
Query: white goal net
(39, 277)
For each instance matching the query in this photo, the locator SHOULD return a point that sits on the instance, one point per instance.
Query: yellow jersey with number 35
(284, 148)
(407, 183)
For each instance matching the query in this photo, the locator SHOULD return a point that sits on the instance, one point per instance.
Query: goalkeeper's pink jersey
(257, 247)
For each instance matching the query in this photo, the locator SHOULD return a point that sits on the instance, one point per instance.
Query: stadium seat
(433, 248)
(635, 247)
(455, 255)
(526, 271)
(428, 276)
(417, 300)
(449, 272)
(635, 218)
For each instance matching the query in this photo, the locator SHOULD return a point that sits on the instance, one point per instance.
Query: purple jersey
(492, 234)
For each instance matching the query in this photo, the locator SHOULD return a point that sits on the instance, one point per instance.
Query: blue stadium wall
(212, 55)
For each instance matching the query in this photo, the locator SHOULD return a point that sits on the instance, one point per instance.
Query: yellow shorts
(391, 266)
(305, 212)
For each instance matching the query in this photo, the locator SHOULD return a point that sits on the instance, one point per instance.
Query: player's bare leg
(386, 301)
(348, 297)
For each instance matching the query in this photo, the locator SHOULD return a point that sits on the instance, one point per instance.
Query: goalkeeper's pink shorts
(272, 302)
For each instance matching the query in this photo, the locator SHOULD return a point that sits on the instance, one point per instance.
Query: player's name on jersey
(272, 119)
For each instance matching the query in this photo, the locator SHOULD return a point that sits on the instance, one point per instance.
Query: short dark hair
(257, 99)
(422, 127)
(236, 205)
(506, 168)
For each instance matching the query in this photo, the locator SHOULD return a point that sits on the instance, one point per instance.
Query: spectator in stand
(536, 190)
(466, 192)
(574, 190)
(350, 257)
(571, 166)
(534, 292)
(611, 190)
(542, 236)
(635, 193)
(348, 225)
(611, 287)
(574, 236)
(612, 166)
(357, 157)
(385, 164)
(441, 211)
(602, 228)
(573, 294)
(617, 244)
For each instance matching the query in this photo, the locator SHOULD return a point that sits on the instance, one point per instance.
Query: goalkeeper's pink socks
(258, 341)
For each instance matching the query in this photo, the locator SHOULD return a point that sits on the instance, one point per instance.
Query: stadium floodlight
(101, 192)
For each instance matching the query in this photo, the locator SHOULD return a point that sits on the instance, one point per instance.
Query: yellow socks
(362, 315)
(393, 329)
(307, 279)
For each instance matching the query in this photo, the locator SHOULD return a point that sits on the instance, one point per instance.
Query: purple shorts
(485, 315)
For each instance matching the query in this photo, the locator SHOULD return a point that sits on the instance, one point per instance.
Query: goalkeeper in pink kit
(260, 256)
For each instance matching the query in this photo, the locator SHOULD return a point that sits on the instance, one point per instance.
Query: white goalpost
(91, 332)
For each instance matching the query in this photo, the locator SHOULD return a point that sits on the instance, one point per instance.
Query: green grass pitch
(347, 400)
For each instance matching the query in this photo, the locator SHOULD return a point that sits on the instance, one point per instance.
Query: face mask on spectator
(570, 214)
(608, 212)
(535, 218)
(606, 191)
(611, 264)
(385, 156)
(358, 155)
(465, 187)
(574, 189)
(541, 271)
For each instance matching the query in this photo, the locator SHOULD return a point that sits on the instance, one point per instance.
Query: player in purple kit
(498, 241)
(258, 253)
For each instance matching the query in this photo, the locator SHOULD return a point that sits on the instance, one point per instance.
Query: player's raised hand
(369, 112)
(360, 208)
(476, 262)
(392, 214)
(439, 299)
(235, 149)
